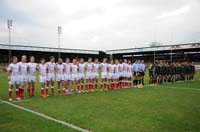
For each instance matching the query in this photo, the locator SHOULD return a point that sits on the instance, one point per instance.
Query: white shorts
(129, 75)
(81, 76)
(121, 74)
(14, 80)
(104, 75)
(43, 79)
(89, 75)
(59, 77)
(67, 77)
(95, 75)
(23, 78)
(50, 76)
(116, 75)
(125, 74)
(110, 75)
(74, 77)
(31, 78)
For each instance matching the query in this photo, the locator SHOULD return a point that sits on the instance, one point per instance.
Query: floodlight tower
(9, 22)
(59, 34)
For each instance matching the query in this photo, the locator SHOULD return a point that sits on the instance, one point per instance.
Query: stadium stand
(178, 53)
(38, 52)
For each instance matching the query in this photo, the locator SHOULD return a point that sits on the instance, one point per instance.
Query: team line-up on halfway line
(114, 75)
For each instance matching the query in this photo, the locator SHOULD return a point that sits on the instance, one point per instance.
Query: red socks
(59, 92)
(87, 86)
(21, 93)
(81, 86)
(47, 90)
(33, 90)
(95, 85)
(42, 93)
(29, 91)
(104, 85)
(10, 93)
(101, 86)
(90, 86)
(65, 91)
(52, 91)
(78, 87)
(17, 94)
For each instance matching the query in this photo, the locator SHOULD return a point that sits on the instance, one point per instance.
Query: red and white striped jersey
(67, 68)
(104, 67)
(23, 68)
(81, 68)
(50, 67)
(13, 68)
(74, 69)
(32, 68)
(59, 68)
(42, 69)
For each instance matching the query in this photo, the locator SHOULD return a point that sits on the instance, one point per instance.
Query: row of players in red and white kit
(114, 75)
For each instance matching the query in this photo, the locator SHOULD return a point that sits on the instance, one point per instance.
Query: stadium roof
(158, 48)
(47, 49)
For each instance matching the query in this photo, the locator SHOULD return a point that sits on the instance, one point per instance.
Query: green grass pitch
(165, 108)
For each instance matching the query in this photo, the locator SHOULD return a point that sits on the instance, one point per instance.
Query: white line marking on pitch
(46, 117)
(180, 88)
(18, 101)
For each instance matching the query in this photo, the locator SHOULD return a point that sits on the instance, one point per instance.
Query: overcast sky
(100, 24)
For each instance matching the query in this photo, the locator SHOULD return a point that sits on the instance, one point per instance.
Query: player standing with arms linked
(23, 68)
(125, 71)
(89, 67)
(32, 67)
(104, 70)
(121, 67)
(42, 67)
(74, 74)
(67, 74)
(116, 74)
(111, 69)
(60, 76)
(50, 74)
(95, 73)
(13, 78)
(81, 75)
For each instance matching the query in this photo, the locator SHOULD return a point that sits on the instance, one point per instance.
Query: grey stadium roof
(117, 51)
(46, 49)
(158, 48)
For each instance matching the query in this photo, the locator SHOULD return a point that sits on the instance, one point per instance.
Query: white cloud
(174, 13)
(100, 24)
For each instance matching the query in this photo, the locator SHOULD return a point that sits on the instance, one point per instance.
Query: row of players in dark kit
(163, 72)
